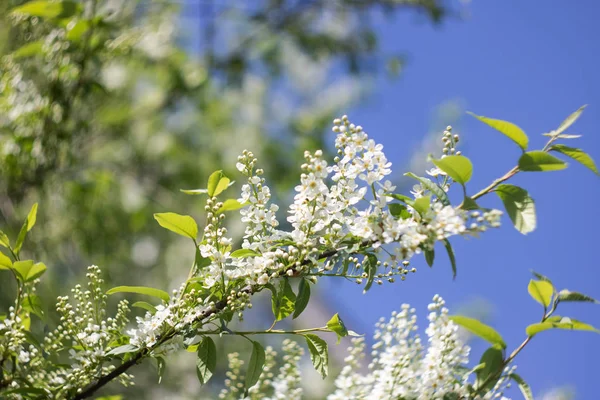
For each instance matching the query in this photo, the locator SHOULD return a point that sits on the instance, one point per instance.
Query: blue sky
(530, 63)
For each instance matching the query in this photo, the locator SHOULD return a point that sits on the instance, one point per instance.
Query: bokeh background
(188, 84)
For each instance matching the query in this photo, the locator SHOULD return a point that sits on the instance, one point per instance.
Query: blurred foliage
(109, 107)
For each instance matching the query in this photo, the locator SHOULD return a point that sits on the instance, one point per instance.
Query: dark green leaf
(519, 206)
(183, 225)
(161, 364)
(451, 256)
(577, 155)
(523, 386)
(145, 305)
(161, 294)
(255, 366)
(459, 168)
(33, 304)
(398, 210)
(535, 161)
(493, 359)
(509, 129)
(469, 204)
(206, 362)
(303, 297)
(283, 302)
(567, 295)
(126, 348)
(540, 277)
(370, 267)
(480, 329)
(429, 256)
(319, 355)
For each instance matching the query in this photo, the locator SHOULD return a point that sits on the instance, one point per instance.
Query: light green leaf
(33, 304)
(480, 329)
(458, 168)
(283, 303)
(126, 348)
(5, 262)
(255, 366)
(400, 197)
(431, 186)
(4, 240)
(523, 386)
(145, 305)
(335, 324)
(399, 210)
(194, 191)
(562, 136)
(566, 124)
(541, 291)
(468, 204)
(217, 182)
(183, 225)
(27, 225)
(577, 155)
(509, 129)
(493, 360)
(29, 271)
(47, 9)
(535, 161)
(206, 363)
(422, 205)
(76, 31)
(243, 253)
(519, 207)
(319, 354)
(303, 298)
(429, 256)
(450, 252)
(230, 205)
(148, 291)
(567, 295)
(29, 50)
(557, 322)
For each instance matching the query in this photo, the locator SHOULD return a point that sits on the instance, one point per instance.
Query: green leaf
(398, 210)
(567, 295)
(27, 270)
(231, 205)
(431, 186)
(217, 182)
(422, 205)
(183, 225)
(194, 191)
(536, 161)
(541, 291)
(283, 303)
(76, 31)
(33, 304)
(319, 355)
(523, 386)
(126, 348)
(566, 124)
(557, 322)
(335, 324)
(469, 204)
(577, 155)
(370, 267)
(161, 364)
(519, 206)
(4, 240)
(459, 168)
(303, 298)
(29, 50)
(255, 366)
(429, 256)
(148, 291)
(243, 253)
(5, 262)
(563, 136)
(400, 197)
(509, 129)
(27, 225)
(145, 305)
(493, 359)
(47, 9)
(480, 329)
(451, 256)
(540, 277)
(206, 363)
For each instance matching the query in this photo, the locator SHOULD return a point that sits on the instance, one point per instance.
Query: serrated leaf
(145, 306)
(255, 366)
(231, 205)
(570, 120)
(451, 256)
(519, 206)
(509, 129)
(319, 355)
(459, 168)
(429, 256)
(27, 225)
(493, 360)
(558, 322)
(335, 324)
(480, 329)
(217, 183)
(242, 253)
(523, 386)
(538, 161)
(302, 298)
(206, 362)
(47, 9)
(126, 348)
(431, 186)
(148, 291)
(541, 291)
(183, 225)
(567, 295)
(577, 155)
(282, 303)
(5, 262)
